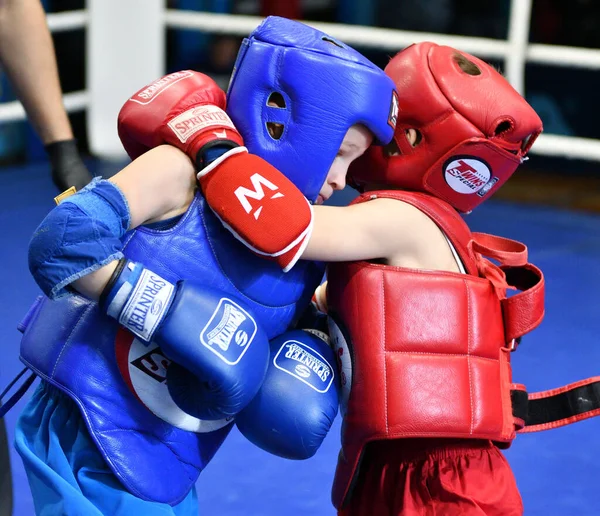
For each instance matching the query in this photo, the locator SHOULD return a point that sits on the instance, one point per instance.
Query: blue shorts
(67, 473)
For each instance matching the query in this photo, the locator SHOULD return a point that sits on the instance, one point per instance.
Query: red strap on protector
(505, 250)
(523, 311)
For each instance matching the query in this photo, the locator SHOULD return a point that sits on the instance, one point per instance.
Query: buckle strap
(506, 251)
(553, 408)
(523, 311)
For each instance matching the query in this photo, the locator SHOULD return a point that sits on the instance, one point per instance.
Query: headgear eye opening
(275, 101)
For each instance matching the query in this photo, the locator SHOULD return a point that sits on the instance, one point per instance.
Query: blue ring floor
(557, 471)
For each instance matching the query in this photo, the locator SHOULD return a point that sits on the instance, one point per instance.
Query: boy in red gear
(423, 328)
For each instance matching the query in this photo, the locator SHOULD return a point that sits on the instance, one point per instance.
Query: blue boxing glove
(214, 336)
(298, 401)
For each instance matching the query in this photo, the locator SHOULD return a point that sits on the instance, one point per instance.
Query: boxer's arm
(91, 285)
(79, 241)
(158, 185)
(359, 231)
(385, 229)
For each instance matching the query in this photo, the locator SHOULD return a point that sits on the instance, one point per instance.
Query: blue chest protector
(119, 383)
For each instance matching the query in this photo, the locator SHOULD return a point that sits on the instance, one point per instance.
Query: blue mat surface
(557, 471)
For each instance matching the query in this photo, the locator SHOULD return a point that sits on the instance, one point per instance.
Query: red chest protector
(427, 353)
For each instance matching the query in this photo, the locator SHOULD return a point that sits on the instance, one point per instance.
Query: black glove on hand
(68, 168)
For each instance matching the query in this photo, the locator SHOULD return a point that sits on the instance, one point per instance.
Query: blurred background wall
(565, 98)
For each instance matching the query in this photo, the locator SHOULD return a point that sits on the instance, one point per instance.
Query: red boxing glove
(184, 109)
(259, 205)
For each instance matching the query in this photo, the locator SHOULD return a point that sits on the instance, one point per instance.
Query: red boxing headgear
(473, 128)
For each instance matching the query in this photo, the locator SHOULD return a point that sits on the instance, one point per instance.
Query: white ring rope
(516, 52)
(370, 37)
(68, 20)
(13, 111)
(567, 147)
(391, 39)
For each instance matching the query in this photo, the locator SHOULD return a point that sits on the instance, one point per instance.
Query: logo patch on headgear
(305, 364)
(144, 370)
(229, 332)
(394, 109)
(466, 174)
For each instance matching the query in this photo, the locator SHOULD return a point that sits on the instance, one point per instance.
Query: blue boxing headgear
(323, 86)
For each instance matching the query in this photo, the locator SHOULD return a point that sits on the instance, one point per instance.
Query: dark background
(564, 97)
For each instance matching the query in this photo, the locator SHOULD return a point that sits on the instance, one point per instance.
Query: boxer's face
(355, 143)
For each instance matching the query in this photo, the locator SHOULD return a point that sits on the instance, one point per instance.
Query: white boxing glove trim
(146, 305)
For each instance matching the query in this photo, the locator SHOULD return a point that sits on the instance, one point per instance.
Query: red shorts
(448, 477)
